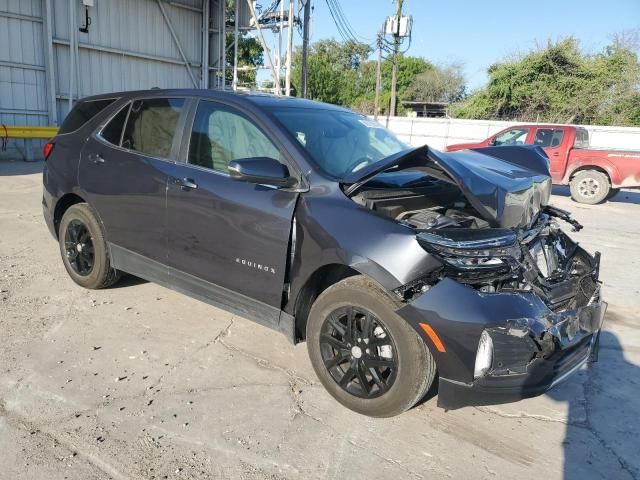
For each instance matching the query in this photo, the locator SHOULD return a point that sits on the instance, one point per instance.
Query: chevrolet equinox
(397, 265)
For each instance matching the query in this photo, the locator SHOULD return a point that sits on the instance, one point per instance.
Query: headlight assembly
(472, 249)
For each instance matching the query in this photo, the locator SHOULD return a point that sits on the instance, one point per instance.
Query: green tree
(340, 73)
(250, 56)
(560, 83)
(333, 70)
(438, 84)
(408, 68)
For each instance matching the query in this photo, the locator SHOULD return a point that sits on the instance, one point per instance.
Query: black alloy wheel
(358, 352)
(79, 247)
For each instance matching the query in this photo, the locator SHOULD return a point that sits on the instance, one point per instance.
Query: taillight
(48, 148)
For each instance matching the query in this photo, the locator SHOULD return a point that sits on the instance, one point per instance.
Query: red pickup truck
(593, 175)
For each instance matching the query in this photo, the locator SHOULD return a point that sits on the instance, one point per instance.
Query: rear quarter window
(82, 112)
(112, 131)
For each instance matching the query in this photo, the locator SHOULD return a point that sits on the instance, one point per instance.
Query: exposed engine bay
(539, 257)
(439, 205)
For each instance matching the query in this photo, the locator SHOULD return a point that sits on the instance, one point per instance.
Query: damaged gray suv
(398, 266)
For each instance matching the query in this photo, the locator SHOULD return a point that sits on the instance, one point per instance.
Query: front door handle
(187, 183)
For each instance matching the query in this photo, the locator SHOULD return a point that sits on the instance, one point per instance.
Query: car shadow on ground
(608, 411)
(128, 280)
(624, 196)
(9, 168)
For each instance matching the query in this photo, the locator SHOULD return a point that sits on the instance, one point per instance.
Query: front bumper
(534, 348)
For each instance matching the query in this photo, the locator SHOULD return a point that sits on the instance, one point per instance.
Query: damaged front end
(516, 311)
(514, 303)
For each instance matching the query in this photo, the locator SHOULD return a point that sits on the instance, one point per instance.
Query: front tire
(590, 187)
(84, 250)
(366, 356)
(613, 192)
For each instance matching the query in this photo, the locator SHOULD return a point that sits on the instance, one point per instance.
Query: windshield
(339, 142)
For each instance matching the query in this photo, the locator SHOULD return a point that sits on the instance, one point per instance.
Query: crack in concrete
(586, 425)
(265, 363)
(223, 333)
(81, 450)
(217, 339)
(529, 416)
(588, 390)
(294, 382)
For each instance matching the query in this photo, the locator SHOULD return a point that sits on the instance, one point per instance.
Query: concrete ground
(140, 382)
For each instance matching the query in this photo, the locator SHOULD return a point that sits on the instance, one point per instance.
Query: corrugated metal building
(46, 57)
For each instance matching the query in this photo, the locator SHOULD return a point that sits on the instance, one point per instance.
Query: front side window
(339, 142)
(221, 134)
(82, 112)
(515, 136)
(548, 137)
(152, 125)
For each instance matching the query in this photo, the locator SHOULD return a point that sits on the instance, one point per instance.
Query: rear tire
(380, 338)
(590, 187)
(84, 250)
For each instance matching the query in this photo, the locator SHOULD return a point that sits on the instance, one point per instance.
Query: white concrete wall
(440, 132)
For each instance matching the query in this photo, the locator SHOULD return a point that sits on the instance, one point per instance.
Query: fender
(345, 233)
(581, 163)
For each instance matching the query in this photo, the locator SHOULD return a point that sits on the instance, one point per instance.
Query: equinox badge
(256, 265)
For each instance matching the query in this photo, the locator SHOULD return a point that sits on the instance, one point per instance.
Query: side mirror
(261, 170)
(492, 142)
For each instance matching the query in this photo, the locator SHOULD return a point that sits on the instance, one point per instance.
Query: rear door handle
(96, 158)
(187, 183)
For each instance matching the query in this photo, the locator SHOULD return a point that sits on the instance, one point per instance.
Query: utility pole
(279, 60)
(263, 43)
(376, 107)
(289, 50)
(235, 44)
(396, 47)
(305, 47)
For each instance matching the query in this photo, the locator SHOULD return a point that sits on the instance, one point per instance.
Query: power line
(348, 25)
(337, 23)
(345, 29)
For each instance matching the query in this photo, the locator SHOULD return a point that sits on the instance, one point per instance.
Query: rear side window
(548, 137)
(82, 112)
(152, 125)
(582, 138)
(112, 131)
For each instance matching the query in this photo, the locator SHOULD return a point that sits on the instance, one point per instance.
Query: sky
(479, 33)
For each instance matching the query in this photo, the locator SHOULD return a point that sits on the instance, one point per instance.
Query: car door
(552, 141)
(124, 172)
(228, 237)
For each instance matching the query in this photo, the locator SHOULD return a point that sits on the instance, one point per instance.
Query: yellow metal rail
(26, 131)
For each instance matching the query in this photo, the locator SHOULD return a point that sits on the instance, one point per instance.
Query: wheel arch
(608, 169)
(321, 279)
(62, 205)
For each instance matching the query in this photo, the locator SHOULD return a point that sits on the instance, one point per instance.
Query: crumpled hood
(507, 185)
